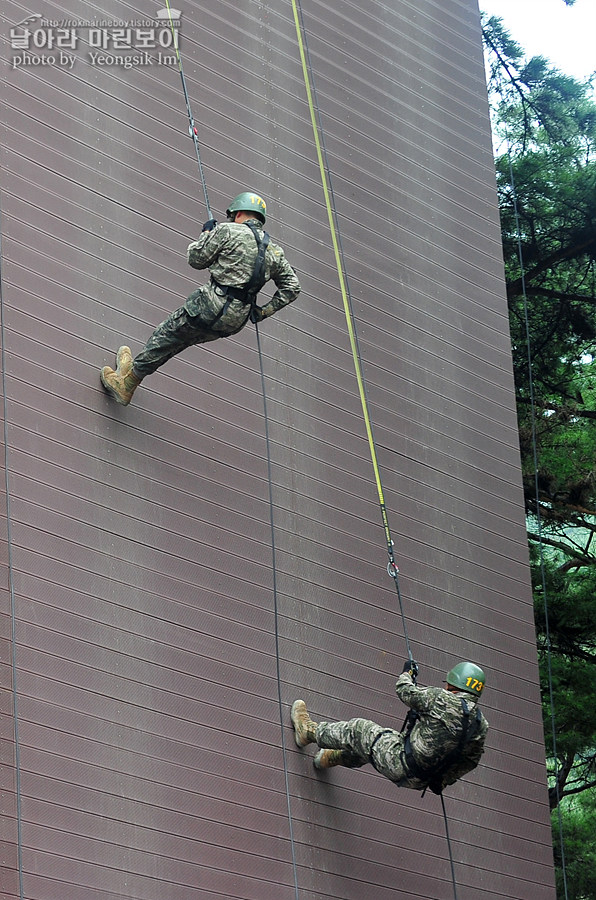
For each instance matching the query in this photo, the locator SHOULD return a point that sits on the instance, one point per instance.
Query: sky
(566, 35)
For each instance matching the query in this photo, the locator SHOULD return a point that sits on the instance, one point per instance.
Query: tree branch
(557, 792)
(515, 288)
(580, 559)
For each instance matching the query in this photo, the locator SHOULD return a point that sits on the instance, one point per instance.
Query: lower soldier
(241, 259)
(442, 738)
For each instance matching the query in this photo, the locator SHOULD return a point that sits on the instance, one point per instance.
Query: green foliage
(565, 431)
(571, 638)
(579, 826)
(544, 125)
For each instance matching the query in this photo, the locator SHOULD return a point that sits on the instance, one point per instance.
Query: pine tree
(544, 126)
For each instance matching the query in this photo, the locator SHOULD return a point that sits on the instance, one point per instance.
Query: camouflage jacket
(438, 728)
(229, 251)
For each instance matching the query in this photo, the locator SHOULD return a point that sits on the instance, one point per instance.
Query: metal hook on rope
(392, 567)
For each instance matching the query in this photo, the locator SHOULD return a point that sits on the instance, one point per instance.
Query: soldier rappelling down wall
(442, 738)
(241, 259)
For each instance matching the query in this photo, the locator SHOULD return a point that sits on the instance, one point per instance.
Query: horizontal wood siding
(140, 591)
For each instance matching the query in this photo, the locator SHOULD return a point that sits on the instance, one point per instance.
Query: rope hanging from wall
(194, 134)
(319, 139)
(325, 174)
(534, 440)
(392, 567)
(192, 129)
(551, 695)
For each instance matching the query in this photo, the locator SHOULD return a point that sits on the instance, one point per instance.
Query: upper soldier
(241, 259)
(442, 738)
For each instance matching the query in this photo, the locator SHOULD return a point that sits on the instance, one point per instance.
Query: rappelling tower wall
(141, 741)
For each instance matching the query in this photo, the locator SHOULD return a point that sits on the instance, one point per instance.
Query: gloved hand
(209, 225)
(411, 668)
(256, 314)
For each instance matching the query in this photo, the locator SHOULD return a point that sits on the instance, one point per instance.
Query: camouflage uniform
(229, 252)
(435, 734)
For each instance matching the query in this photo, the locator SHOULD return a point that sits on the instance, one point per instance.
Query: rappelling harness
(246, 293)
(433, 776)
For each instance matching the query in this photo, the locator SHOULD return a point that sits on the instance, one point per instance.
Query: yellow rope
(340, 271)
(174, 35)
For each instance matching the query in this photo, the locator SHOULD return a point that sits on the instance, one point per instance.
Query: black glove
(411, 667)
(436, 786)
(256, 314)
(210, 225)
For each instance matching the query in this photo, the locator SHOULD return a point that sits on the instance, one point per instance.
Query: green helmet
(466, 676)
(247, 202)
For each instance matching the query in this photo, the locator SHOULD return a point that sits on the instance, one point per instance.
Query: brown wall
(145, 706)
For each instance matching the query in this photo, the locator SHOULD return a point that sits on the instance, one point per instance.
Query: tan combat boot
(305, 730)
(122, 383)
(326, 759)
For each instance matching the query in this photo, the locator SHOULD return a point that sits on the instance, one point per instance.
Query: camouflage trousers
(362, 741)
(197, 322)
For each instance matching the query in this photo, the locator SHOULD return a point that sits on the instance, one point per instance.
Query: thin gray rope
(276, 616)
(451, 863)
(192, 129)
(551, 693)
